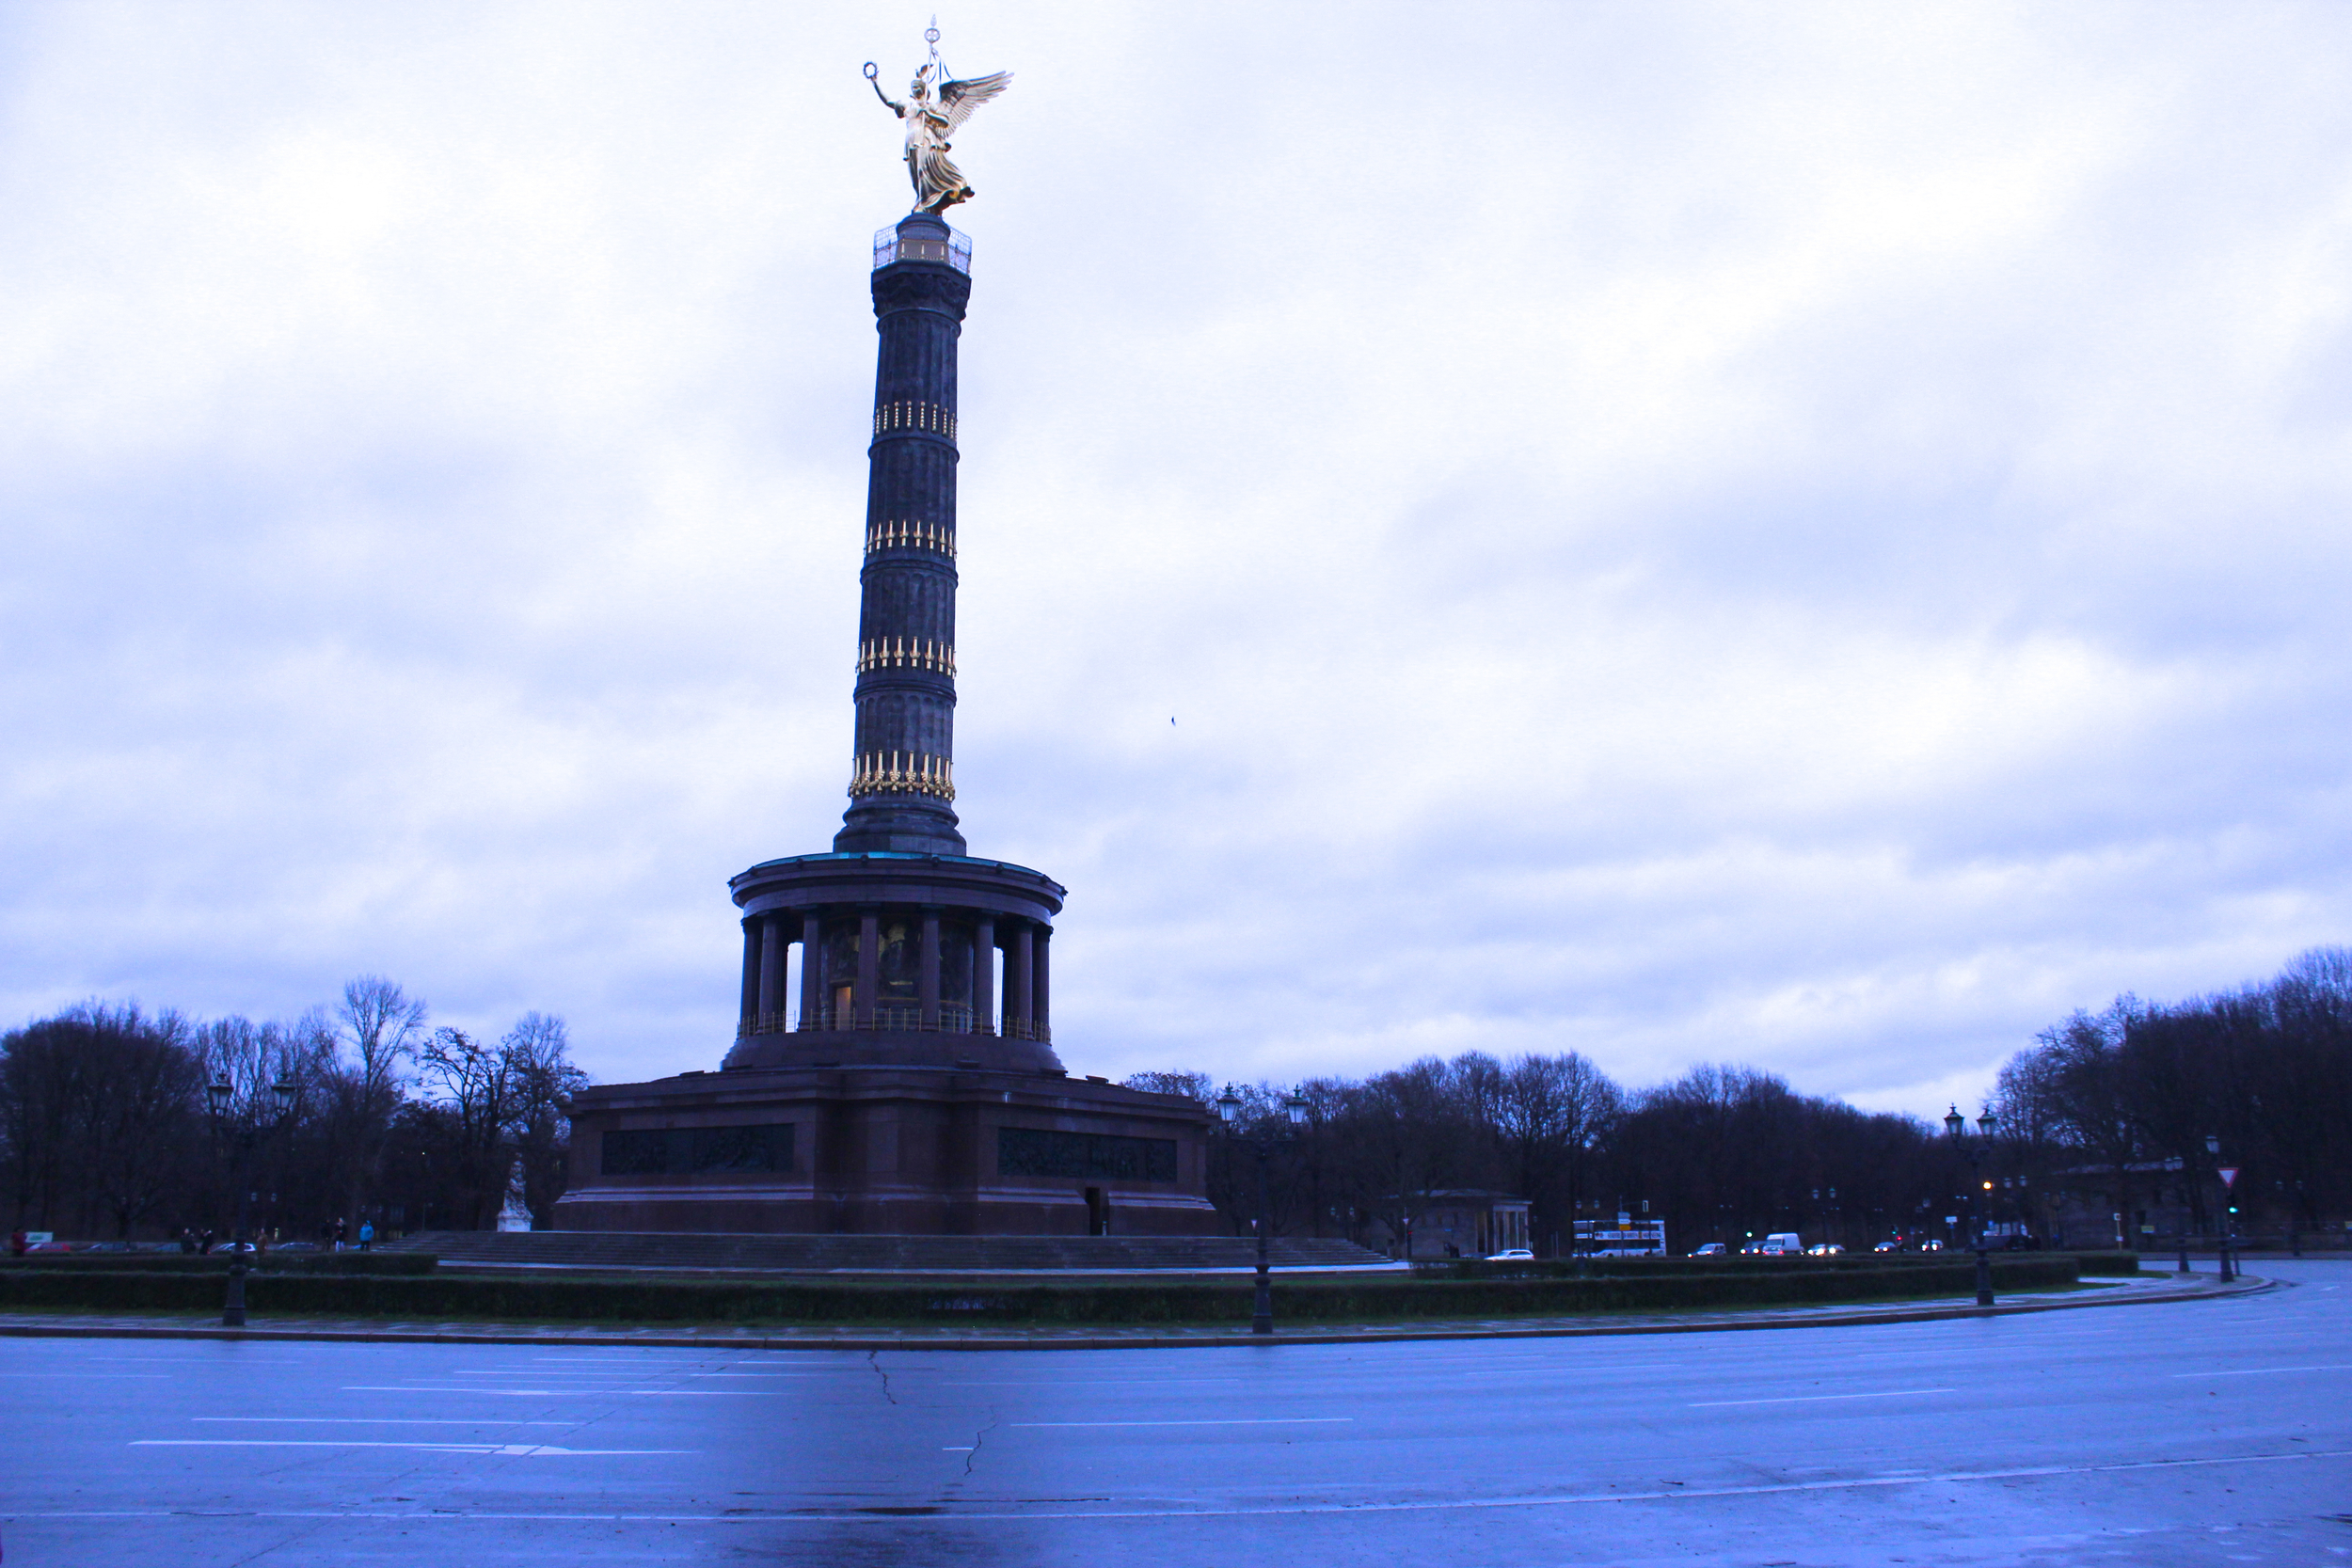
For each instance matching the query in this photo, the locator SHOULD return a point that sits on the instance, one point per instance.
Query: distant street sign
(2228, 1176)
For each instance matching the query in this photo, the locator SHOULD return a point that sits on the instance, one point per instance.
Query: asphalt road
(2212, 1432)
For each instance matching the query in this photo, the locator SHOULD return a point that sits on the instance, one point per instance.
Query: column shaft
(773, 943)
(868, 967)
(812, 970)
(751, 977)
(1040, 991)
(1017, 973)
(927, 975)
(984, 976)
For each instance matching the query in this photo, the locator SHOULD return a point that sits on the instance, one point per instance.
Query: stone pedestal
(888, 1150)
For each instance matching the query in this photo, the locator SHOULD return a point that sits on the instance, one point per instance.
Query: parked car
(107, 1246)
(1511, 1255)
(1712, 1249)
(50, 1247)
(1823, 1249)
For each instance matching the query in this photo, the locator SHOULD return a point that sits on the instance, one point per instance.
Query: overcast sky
(1809, 536)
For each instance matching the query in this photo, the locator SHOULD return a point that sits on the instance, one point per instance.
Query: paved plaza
(2216, 1431)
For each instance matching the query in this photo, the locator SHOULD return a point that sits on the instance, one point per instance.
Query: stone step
(600, 1249)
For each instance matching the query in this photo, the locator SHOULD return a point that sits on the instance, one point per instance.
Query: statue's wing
(960, 98)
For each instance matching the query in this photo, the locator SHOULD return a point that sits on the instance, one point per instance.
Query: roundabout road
(2211, 1432)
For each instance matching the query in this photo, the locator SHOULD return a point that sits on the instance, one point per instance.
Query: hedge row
(1583, 1268)
(494, 1298)
(217, 1263)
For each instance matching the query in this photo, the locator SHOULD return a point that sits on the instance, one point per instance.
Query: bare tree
(537, 1050)
(475, 1095)
(1550, 1116)
(381, 1025)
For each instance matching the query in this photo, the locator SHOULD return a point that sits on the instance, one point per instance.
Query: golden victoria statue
(938, 183)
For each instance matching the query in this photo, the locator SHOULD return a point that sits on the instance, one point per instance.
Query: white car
(1823, 1249)
(1511, 1255)
(1712, 1249)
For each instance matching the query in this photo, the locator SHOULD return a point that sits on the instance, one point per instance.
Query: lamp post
(1262, 1142)
(248, 1135)
(1956, 1126)
(2221, 1221)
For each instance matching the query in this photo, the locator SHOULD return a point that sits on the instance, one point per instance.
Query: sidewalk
(2146, 1290)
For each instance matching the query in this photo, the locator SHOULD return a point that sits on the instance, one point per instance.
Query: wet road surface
(2212, 1432)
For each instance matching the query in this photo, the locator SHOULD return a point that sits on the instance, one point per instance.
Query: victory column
(902, 1090)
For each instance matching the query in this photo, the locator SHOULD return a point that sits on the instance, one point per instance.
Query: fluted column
(751, 977)
(772, 942)
(812, 969)
(927, 972)
(868, 967)
(1040, 991)
(984, 974)
(1017, 957)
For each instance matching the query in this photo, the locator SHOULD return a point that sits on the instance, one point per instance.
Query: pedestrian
(204, 1242)
(187, 1239)
(343, 1229)
(367, 1233)
(17, 1243)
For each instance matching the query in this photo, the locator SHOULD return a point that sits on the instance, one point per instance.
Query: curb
(2246, 1285)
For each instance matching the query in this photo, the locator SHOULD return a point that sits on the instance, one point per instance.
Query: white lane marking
(1818, 1399)
(1234, 1421)
(378, 1421)
(91, 1377)
(543, 1393)
(2259, 1371)
(524, 1448)
(1569, 1499)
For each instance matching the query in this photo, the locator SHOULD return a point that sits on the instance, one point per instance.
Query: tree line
(106, 1128)
(111, 1125)
(2105, 1113)
(1720, 1154)
(2130, 1098)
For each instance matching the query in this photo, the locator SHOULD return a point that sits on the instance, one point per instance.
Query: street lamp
(1262, 1142)
(220, 1094)
(2212, 1147)
(1956, 1127)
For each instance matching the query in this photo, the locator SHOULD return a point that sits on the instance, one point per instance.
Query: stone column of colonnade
(767, 941)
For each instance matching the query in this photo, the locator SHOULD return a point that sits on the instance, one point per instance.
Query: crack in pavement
(978, 1439)
(873, 1359)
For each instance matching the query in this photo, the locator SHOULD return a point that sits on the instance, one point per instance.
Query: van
(1782, 1243)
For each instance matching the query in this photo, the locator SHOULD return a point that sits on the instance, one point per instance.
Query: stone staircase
(885, 1255)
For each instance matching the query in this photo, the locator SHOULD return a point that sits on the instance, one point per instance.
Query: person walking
(343, 1229)
(367, 1233)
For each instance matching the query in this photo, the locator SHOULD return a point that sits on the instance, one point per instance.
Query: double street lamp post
(247, 1135)
(1261, 1141)
(1956, 1126)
